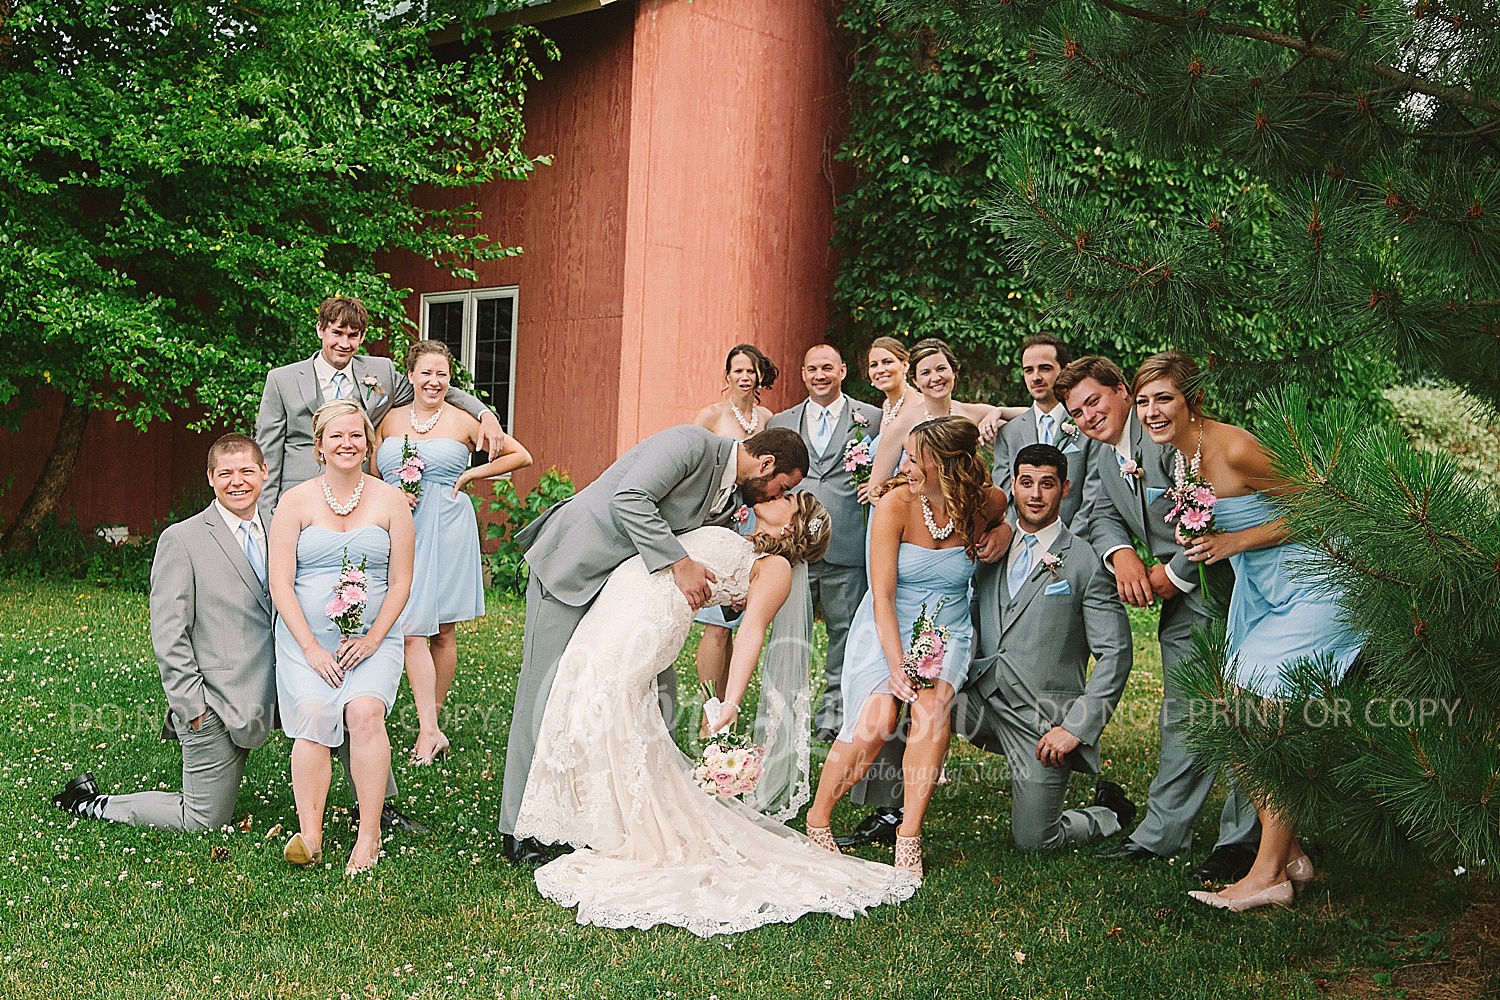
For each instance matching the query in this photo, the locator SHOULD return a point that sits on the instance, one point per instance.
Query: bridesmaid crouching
(447, 582)
(331, 677)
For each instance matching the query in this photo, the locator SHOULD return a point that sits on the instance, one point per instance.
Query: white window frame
(470, 299)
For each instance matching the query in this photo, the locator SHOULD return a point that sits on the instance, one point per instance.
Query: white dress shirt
(239, 525)
(835, 410)
(325, 373)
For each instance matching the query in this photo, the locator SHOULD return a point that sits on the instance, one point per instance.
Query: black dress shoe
(525, 851)
(80, 791)
(877, 828)
(1112, 797)
(392, 818)
(1227, 863)
(1128, 850)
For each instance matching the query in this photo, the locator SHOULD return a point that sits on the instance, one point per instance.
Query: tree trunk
(56, 474)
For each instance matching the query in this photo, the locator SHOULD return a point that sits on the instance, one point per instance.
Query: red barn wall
(730, 212)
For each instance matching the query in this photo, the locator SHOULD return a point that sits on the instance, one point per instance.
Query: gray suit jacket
(1031, 649)
(662, 487)
(284, 427)
(1118, 508)
(1078, 447)
(827, 480)
(211, 629)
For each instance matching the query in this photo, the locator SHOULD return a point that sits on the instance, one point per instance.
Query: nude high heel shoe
(1280, 894)
(1300, 872)
(822, 836)
(909, 854)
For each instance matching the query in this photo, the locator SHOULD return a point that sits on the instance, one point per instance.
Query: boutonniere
(742, 515)
(860, 420)
(1052, 561)
(1068, 429)
(1132, 469)
(372, 384)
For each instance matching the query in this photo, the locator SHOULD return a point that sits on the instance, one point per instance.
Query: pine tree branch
(1403, 78)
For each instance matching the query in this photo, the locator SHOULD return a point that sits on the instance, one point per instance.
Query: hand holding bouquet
(346, 609)
(929, 644)
(730, 763)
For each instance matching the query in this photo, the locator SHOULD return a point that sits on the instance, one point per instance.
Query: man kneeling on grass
(211, 628)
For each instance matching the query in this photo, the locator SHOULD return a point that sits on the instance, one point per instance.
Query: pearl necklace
(888, 412)
(425, 425)
(932, 528)
(344, 510)
(748, 426)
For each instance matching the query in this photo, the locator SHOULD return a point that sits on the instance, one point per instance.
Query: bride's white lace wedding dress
(653, 847)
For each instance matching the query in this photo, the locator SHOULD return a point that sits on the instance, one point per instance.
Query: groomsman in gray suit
(828, 420)
(1129, 478)
(284, 429)
(674, 481)
(1038, 615)
(211, 629)
(294, 392)
(1043, 358)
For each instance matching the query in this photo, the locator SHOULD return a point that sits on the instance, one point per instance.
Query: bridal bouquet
(347, 607)
(858, 458)
(731, 762)
(412, 467)
(929, 644)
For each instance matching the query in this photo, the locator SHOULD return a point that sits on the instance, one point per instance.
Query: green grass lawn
(89, 909)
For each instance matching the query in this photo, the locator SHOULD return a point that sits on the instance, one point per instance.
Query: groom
(1130, 475)
(674, 481)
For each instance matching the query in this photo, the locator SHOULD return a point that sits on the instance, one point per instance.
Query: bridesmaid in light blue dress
(1284, 606)
(447, 581)
(329, 679)
(922, 550)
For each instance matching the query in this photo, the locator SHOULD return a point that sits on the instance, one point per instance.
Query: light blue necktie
(253, 553)
(338, 385)
(825, 431)
(1044, 425)
(1129, 480)
(1020, 567)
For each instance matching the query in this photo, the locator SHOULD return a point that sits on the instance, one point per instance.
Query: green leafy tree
(933, 125)
(1372, 126)
(182, 183)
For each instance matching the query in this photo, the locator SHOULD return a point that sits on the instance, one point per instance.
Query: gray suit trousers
(838, 591)
(550, 624)
(1181, 786)
(1038, 820)
(212, 767)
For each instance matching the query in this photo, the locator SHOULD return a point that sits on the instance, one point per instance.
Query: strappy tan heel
(822, 836)
(909, 854)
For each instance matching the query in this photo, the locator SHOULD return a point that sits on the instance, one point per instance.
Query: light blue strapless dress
(922, 575)
(447, 583)
(310, 709)
(1278, 615)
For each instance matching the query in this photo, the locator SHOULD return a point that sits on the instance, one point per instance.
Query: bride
(654, 848)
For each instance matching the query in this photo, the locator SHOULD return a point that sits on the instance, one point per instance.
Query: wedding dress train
(653, 847)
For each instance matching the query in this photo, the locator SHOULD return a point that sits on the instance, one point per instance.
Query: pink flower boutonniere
(742, 515)
(1053, 562)
(372, 384)
(1069, 429)
(860, 420)
(1132, 469)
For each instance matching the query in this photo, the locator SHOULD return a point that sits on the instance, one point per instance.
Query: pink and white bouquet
(411, 469)
(858, 459)
(929, 644)
(730, 763)
(346, 609)
(1193, 499)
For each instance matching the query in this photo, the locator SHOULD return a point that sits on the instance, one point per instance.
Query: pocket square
(1071, 448)
(1153, 494)
(1060, 587)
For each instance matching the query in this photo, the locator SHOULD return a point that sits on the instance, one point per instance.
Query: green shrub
(1441, 417)
(507, 564)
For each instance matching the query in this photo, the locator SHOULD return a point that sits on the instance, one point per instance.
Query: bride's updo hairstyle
(1177, 368)
(806, 536)
(331, 411)
(952, 444)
